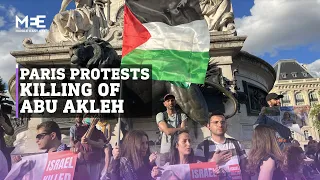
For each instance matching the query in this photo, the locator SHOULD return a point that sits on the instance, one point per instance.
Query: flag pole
(119, 115)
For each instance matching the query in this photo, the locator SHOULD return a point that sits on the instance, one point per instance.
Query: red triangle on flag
(134, 33)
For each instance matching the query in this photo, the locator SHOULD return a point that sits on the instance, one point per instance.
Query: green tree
(315, 114)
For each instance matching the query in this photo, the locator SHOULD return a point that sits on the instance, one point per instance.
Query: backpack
(178, 122)
(206, 147)
(165, 114)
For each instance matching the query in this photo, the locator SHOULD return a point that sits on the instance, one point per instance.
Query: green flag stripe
(171, 65)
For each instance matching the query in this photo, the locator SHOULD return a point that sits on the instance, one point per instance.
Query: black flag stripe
(171, 12)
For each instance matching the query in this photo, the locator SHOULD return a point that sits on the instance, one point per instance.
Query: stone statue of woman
(218, 14)
(73, 25)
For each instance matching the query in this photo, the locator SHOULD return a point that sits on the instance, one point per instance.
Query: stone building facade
(299, 88)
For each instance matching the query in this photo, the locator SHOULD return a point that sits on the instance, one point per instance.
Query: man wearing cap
(273, 99)
(169, 122)
(282, 132)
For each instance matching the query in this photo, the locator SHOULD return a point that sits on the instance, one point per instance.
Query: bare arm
(168, 131)
(184, 124)
(266, 170)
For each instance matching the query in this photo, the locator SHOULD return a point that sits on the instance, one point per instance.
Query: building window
(306, 134)
(285, 100)
(299, 99)
(305, 74)
(313, 98)
(294, 74)
(283, 75)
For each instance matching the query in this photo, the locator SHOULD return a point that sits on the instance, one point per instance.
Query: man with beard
(220, 149)
(273, 99)
(282, 133)
(169, 122)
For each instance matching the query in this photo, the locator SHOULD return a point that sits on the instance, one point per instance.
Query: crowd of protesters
(268, 159)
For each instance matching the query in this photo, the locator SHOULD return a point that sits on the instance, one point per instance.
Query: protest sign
(200, 171)
(231, 170)
(293, 117)
(302, 113)
(58, 165)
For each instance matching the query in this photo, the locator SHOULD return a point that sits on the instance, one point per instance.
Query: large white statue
(218, 14)
(88, 19)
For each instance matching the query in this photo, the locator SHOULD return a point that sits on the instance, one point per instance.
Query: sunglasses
(42, 135)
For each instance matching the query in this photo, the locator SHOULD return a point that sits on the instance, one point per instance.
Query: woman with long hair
(180, 152)
(133, 161)
(293, 163)
(265, 157)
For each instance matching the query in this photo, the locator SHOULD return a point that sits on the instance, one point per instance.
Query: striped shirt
(214, 146)
(62, 147)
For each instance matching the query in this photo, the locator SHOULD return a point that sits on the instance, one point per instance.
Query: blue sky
(276, 29)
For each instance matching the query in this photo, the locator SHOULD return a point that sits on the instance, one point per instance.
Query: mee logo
(30, 24)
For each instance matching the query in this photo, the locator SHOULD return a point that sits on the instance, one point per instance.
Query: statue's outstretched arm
(64, 5)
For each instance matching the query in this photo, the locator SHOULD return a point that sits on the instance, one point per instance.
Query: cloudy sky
(275, 29)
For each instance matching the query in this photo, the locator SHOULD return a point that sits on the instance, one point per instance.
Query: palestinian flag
(171, 35)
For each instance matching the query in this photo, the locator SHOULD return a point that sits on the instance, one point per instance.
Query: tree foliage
(315, 114)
